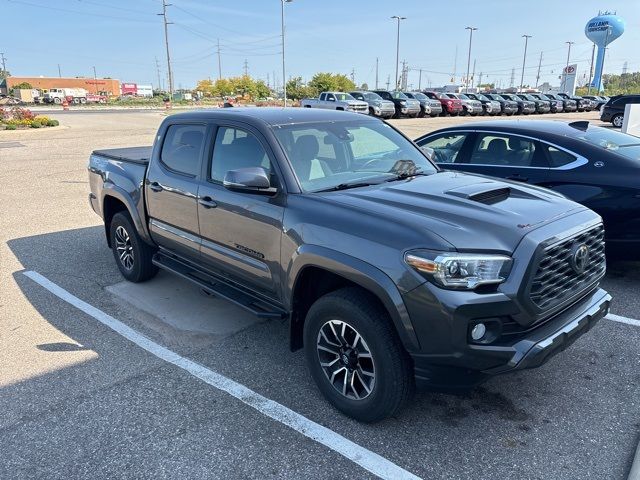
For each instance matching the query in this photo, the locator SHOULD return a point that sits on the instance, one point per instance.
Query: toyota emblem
(579, 258)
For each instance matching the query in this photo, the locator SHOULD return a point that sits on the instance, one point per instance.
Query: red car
(450, 106)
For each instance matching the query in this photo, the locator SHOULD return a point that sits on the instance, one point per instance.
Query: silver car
(378, 106)
(471, 107)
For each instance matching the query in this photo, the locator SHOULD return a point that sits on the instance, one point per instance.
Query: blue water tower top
(604, 29)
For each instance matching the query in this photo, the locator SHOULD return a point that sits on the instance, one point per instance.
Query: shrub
(4, 114)
(53, 123)
(11, 127)
(19, 113)
(36, 124)
(42, 119)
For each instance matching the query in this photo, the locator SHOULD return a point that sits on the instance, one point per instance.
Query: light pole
(284, 71)
(524, 59)
(95, 79)
(396, 17)
(471, 29)
(566, 69)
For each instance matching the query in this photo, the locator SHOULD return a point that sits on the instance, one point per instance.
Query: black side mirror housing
(252, 179)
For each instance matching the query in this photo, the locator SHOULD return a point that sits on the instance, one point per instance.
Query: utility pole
(59, 72)
(480, 79)
(593, 53)
(219, 62)
(246, 68)
(473, 73)
(538, 74)
(158, 71)
(524, 58)
(4, 64)
(166, 44)
(513, 77)
(376, 73)
(388, 81)
(471, 30)
(455, 66)
(95, 79)
(398, 18)
(420, 80)
(353, 75)
(268, 81)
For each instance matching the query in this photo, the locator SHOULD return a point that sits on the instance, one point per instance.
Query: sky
(123, 39)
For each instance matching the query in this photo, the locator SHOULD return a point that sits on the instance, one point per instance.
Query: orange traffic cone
(65, 104)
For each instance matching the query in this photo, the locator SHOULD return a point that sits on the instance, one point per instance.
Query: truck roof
(271, 116)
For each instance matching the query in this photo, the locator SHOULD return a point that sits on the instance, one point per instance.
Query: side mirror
(252, 179)
(331, 99)
(429, 152)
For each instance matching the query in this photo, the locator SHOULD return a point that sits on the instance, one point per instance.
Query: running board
(218, 287)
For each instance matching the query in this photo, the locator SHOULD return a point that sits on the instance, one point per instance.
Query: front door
(171, 188)
(241, 231)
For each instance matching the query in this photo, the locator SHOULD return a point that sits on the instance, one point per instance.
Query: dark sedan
(595, 166)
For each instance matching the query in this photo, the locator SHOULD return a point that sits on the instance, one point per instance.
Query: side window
(491, 149)
(182, 148)
(235, 148)
(330, 97)
(558, 158)
(446, 147)
(323, 96)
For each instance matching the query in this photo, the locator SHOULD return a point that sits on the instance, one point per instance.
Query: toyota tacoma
(391, 273)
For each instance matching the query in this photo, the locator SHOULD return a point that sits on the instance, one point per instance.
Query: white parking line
(367, 459)
(619, 319)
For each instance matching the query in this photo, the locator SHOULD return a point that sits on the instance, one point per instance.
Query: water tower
(602, 30)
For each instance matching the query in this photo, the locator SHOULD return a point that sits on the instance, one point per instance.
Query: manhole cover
(10, 144)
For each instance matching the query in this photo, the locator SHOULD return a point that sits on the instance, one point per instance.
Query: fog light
(478, 331)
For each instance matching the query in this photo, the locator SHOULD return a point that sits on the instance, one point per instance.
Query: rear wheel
(133, 256)
(617, 120)
(355, 356)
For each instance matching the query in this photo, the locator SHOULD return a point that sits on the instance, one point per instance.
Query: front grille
(557, 278)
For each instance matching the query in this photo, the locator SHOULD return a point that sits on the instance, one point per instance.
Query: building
(145, 91)
(106, 86)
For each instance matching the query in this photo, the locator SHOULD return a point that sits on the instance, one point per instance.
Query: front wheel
(355, 356)
(617, 120)
(133, 256)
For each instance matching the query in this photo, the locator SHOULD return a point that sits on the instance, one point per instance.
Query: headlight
(459, 270)
(403, 102)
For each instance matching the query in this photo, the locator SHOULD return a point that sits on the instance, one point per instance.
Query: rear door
(508, 156)
(171, 187)
(241, 231)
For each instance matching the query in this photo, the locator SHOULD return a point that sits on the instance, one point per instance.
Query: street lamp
(396, 17)
(524, 59)
(566, 70)
(284, 78)
(471, 29)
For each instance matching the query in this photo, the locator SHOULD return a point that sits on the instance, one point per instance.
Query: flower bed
(19, 118)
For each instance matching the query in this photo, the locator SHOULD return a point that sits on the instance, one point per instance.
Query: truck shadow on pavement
(574, 399)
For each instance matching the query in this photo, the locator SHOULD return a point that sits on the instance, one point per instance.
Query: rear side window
(493, 149)
(182, 148)
(558, 158)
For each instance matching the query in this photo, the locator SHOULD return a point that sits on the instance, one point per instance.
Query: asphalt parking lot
(78, 399)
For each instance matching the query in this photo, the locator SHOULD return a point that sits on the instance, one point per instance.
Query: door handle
(518, 178)
(207, 202)
(156, 187)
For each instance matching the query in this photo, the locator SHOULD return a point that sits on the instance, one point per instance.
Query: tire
(371, 112)
(617, 120)
(123, 234)
(57, 100)
(83, 100)
(378, 350)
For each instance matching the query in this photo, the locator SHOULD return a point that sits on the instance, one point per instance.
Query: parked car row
(398, 104)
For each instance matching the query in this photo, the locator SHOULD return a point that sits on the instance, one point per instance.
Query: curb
(634, 474)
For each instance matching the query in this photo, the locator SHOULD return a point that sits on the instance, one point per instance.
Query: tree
(261, 90)
(364, 86)
(486, 86)
(297, 90)
(323, 82)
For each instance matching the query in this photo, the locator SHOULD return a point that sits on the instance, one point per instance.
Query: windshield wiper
(405, 175)
(346, 186)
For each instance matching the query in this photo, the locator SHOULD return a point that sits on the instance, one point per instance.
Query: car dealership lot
(78, 399)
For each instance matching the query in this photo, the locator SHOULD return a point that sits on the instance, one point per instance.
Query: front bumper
(385, 111)
(410, 110)
(510, 109)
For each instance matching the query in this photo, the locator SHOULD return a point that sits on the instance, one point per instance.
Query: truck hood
(470, 212)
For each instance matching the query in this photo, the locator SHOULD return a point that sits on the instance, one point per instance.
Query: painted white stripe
(367, 459)
(619, 319)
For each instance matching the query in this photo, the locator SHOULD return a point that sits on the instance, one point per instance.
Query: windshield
(332, 155)
(479, 96)
(451, 95)
(527, 97)
(618, 142)
(372, 96)
(419, 96)
(344, 96)
(399, 95)
(462, 96)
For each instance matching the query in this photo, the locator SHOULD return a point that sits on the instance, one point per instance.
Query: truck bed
(139, 155)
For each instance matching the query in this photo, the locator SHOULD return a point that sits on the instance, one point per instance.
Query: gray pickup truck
(392, 274)
(336, 101)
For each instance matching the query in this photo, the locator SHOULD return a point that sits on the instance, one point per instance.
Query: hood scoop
(482, 193)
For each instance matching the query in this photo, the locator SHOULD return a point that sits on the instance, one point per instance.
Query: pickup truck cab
(392, 274)
(336, 101)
